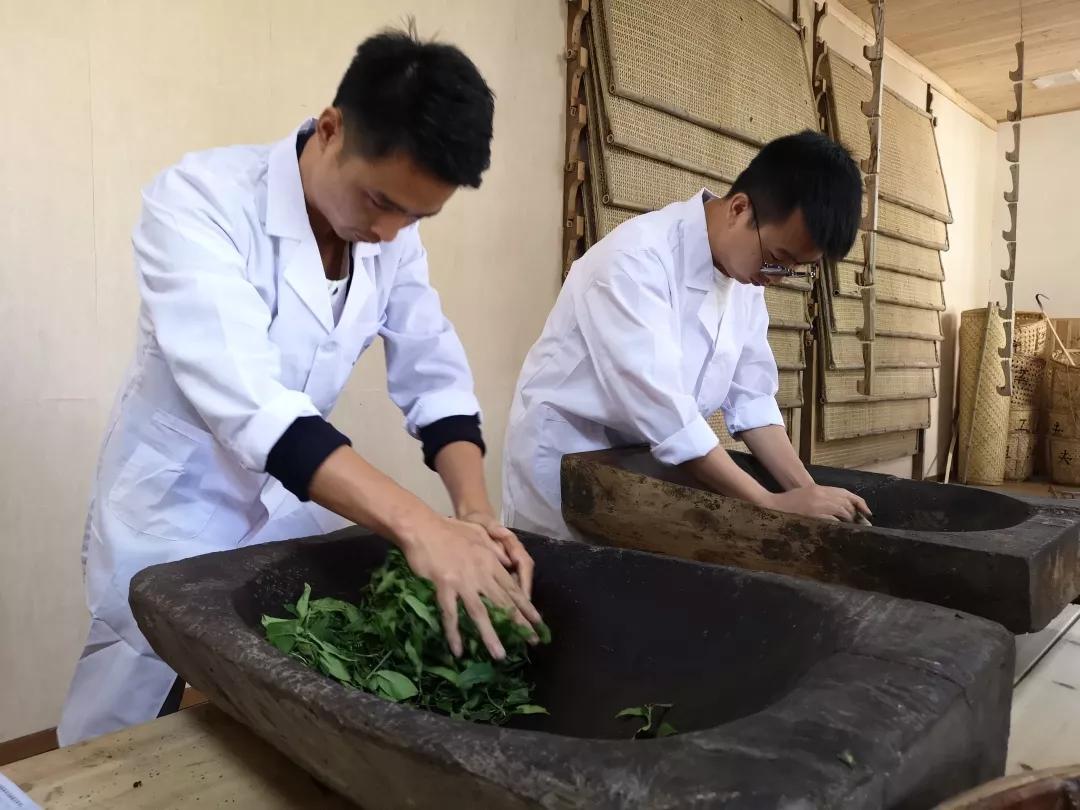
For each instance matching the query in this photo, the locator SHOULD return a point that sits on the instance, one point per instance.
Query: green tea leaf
(396, 685)
(529, 708)
(653, 715)
(385, 581)
(318, 625)
(334, 667)
(330, 605)
(544, 632)
(518, 696)
(284, 642)
(302, 603)
(422, 610)
(445, 673)
(476, 672)
(414, 658)
(277, 627)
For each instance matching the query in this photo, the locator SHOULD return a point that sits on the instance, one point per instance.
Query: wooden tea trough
(1013, 561)
(787, 693)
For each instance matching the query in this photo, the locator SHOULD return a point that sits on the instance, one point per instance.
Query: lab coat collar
(700, 272)
(287, 217)
(286, 209)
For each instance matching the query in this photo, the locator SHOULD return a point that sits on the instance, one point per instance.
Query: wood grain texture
(970, 44)
(194, 758)
(1005, 560)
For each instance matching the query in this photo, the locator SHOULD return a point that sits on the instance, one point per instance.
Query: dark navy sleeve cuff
(437, 435)
(301, 450)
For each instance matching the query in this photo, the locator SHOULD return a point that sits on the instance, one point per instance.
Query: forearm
(720, 473)
(772, 447)
(348, 485)
(460, 465)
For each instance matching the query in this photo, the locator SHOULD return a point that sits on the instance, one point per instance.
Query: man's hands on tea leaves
(462, 561)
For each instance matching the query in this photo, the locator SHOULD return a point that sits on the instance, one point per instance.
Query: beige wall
(101, 94)
(1047, 251)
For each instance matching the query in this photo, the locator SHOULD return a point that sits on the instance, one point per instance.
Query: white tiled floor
(1046, 710)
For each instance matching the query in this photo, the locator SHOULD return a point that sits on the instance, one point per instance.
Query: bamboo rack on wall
(1012, 200)
(577, 62)
(871, 108)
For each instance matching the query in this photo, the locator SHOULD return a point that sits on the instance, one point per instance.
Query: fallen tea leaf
(530, 709)
(653, 714)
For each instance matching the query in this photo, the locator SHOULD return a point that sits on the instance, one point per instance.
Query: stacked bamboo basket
(983, 411)
(1000, 437)
(1062, 419)
(672, 99)
(1026, 419)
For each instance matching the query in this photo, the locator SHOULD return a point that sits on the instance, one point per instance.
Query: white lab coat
(646, 340)
(236, 339)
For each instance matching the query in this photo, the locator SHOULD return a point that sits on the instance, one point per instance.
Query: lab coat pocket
(558, 437)
(157, 489)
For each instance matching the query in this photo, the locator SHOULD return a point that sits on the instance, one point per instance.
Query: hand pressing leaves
(391, 644)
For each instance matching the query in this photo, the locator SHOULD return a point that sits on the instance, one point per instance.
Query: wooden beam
(908, 62)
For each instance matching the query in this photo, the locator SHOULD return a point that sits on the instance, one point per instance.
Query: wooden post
(872, 110)
(577, 62)
(815, 348)
(1012, 200)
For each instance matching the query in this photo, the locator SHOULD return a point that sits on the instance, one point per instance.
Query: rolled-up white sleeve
(751, 399)
(209, 320)
(625, 317)
(427, 373)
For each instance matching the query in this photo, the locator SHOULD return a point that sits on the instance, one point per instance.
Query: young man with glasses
(663, 322)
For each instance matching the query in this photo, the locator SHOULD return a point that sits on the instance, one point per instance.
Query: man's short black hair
(425, 99)
(815, 174)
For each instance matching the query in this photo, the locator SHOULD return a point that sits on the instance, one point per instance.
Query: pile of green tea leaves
(392, 644)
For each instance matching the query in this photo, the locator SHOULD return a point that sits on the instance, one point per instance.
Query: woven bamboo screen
(854, 429)
(911, 172)
(681, 97)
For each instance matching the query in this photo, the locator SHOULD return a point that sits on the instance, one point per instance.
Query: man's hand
(459, 558)
(828, 503)
(509, 549)
(463, 563)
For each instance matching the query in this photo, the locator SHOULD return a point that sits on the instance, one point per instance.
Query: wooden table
(198, 757)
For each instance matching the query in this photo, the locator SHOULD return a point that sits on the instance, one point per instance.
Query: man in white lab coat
(663, 322)
(264, 272)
